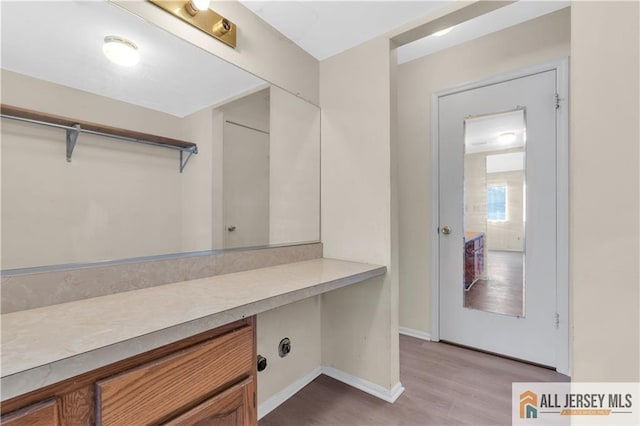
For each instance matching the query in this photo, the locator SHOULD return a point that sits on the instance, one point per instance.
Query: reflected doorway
(494, 212)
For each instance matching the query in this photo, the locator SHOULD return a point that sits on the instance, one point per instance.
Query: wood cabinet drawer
(232, 407)
(158, 391)
(43, 414)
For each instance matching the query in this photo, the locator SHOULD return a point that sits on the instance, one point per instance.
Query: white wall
(115, 199)
(359, 323)
(536, 41)
(604, 180)
(300, 322)
(260, 50)
(295, 169)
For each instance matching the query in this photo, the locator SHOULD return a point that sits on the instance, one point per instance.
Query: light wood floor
(503, 291)
(444, 385)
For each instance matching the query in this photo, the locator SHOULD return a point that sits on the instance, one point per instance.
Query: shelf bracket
(184, 161)
(72, 137)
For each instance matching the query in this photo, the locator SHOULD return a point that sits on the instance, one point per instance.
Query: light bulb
(121, 51)
(507, 137)
(442, 32)
(200, 4)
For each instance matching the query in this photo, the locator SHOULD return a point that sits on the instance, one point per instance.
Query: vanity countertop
(53, 343)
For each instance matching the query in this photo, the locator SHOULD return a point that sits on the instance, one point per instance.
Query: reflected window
(497, 203)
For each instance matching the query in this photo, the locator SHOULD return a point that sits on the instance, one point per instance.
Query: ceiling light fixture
(121, 51)
(442, 32)
(507, 137)
(195, 6)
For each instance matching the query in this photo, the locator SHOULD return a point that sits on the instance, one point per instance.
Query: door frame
(561, 66)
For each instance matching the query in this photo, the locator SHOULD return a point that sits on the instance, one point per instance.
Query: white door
(245, 186)
(497, 217)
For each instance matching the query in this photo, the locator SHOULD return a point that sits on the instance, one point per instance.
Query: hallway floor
(444, 385)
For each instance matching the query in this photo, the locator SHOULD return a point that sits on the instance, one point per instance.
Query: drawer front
(233, 407)
(159, 390)
(43, 414)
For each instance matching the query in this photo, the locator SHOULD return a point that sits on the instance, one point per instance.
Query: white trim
(561, 66)
(274, 401)
(563, 349)
(418, 334)
(434, 278)
(389, 395)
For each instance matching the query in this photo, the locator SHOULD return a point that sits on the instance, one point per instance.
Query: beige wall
(603, 200)
(91, 209)
(260, 50)
(543, 39)
(359, 323)
(294, 204)
(300, 322)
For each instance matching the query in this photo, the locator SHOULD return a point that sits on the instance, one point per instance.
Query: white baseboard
(270, 404)
(365, 385)
(415, 333)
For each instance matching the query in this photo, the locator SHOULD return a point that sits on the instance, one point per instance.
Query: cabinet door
(233, 407)
(43, 414)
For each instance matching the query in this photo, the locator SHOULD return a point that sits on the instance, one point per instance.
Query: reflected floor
(502, 293)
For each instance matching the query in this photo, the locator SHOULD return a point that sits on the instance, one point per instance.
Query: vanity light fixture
(442, 32)
(507, 137)
(198, 14)
(120, 51)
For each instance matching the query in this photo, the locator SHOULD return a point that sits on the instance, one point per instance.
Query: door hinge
(557, 99)
(557, 320)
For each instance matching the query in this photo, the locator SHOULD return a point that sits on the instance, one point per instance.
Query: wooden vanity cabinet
(207, 379)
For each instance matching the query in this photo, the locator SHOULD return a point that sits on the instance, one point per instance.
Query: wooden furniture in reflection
(207, 379)
(473, 258)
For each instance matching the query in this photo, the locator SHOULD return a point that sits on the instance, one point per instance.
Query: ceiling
(62, 43)
(481, 133)
(497, 20)
(325, 28)
(63, 40)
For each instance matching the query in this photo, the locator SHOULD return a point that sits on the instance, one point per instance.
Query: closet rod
(75, 127)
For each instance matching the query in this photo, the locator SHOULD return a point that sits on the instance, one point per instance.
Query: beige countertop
(49, 344)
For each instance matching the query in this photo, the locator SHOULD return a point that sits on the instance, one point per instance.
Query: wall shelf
(74, 127)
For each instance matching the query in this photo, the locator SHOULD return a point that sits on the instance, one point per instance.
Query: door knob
(231, 228)
(446, 230)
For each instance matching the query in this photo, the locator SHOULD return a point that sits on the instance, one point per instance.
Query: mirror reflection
(254, 182)
(494, 212)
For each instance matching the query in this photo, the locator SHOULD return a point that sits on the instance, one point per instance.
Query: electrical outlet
(284, 347)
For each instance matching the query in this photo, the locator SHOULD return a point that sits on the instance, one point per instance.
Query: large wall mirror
(254, 182)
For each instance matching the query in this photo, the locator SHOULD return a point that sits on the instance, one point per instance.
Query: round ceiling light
(121, 51)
